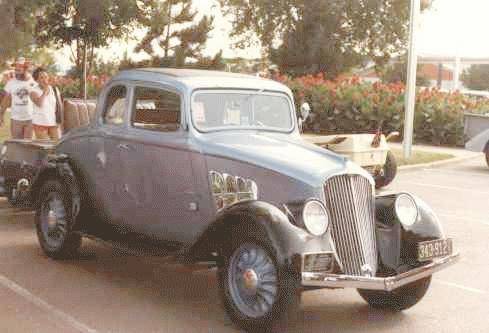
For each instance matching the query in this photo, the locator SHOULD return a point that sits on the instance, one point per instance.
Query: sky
(449, 28)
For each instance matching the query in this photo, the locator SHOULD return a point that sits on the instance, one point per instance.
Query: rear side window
(115, 106)
(156, 109)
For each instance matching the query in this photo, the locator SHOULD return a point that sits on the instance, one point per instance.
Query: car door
(106, 148)
(157, 173)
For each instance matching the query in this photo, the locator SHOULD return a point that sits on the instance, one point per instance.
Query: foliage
(348, 105)
(209, 63)
(70, 87)
(84, 25)
(17, 28)
(397, 72)
(172, 30)
(321, 36)
(476, 77)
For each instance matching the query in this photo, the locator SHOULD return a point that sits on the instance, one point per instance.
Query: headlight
(4, 150)
(406, 209)
(315, 217)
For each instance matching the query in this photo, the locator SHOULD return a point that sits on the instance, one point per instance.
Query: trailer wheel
(12, 196)
(388, 172)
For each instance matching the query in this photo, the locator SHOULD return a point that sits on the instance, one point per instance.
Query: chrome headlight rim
(406, 220)
(311, 226)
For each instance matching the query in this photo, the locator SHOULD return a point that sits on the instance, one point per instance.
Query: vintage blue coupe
(210, 166)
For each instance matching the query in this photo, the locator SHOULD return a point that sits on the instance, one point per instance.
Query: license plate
(433, 249)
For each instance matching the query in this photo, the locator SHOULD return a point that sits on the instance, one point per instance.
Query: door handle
(124, 146)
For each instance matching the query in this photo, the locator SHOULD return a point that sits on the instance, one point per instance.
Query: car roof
(185, 73)
(193, 79)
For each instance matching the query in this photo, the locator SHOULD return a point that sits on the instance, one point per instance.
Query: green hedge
(348, 105)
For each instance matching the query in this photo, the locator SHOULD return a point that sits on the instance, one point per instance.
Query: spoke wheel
(256, 290)
(253, 280)
(53, 222)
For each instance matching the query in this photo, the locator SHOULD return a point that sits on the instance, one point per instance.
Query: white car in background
(477, 131)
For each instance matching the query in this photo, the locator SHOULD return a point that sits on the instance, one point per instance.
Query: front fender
(397, 243)
(264, 222)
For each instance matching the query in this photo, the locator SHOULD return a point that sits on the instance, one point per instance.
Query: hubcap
(53, 220)
(252, 280)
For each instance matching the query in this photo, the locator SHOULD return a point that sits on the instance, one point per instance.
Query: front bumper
(328, 280)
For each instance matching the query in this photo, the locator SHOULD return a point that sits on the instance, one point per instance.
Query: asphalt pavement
(107, 290)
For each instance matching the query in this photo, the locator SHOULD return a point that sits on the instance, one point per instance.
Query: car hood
(287, 154)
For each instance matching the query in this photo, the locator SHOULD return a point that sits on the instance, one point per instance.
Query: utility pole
(456, 74)
(409, 98)
(85, 70)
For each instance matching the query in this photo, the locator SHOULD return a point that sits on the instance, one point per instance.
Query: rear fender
(58, 168)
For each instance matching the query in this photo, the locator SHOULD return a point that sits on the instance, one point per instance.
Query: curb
(437, 163)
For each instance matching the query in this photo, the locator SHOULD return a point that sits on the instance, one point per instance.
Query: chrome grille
(350, 202)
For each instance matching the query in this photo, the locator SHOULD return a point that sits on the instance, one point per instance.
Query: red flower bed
(348, 105)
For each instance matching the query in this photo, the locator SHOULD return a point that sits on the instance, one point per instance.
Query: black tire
(239, 297)
(399, 299)
(487, 157)
(54, 222)
(388, 172)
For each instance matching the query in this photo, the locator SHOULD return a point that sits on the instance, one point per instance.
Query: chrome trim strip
(327, 280)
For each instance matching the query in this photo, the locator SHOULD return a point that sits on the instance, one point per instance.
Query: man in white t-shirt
(21, 108)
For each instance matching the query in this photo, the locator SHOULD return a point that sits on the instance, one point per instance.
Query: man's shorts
(21, 129)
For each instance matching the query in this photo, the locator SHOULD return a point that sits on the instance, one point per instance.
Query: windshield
(215, 110)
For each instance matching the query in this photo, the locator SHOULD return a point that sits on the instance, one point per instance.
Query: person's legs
(27, 130)
(16, 129)
(41, 132)
(53, 132)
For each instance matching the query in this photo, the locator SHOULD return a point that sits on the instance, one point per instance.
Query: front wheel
(54, 222)
(398, 299)
(255, 292)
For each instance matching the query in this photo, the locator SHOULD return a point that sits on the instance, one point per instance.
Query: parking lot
(107, 290)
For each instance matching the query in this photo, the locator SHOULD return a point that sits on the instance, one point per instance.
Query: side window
(115, 106)
(156, 109)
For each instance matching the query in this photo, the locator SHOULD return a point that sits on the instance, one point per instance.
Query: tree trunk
(167, 41)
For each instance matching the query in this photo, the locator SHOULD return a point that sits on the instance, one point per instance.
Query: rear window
(156, 109)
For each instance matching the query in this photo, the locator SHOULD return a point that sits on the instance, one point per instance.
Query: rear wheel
(388, 171)
(54, 222)
(398, 299)
(255, 292)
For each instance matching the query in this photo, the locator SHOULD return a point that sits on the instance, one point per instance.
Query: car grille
(350, 202)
